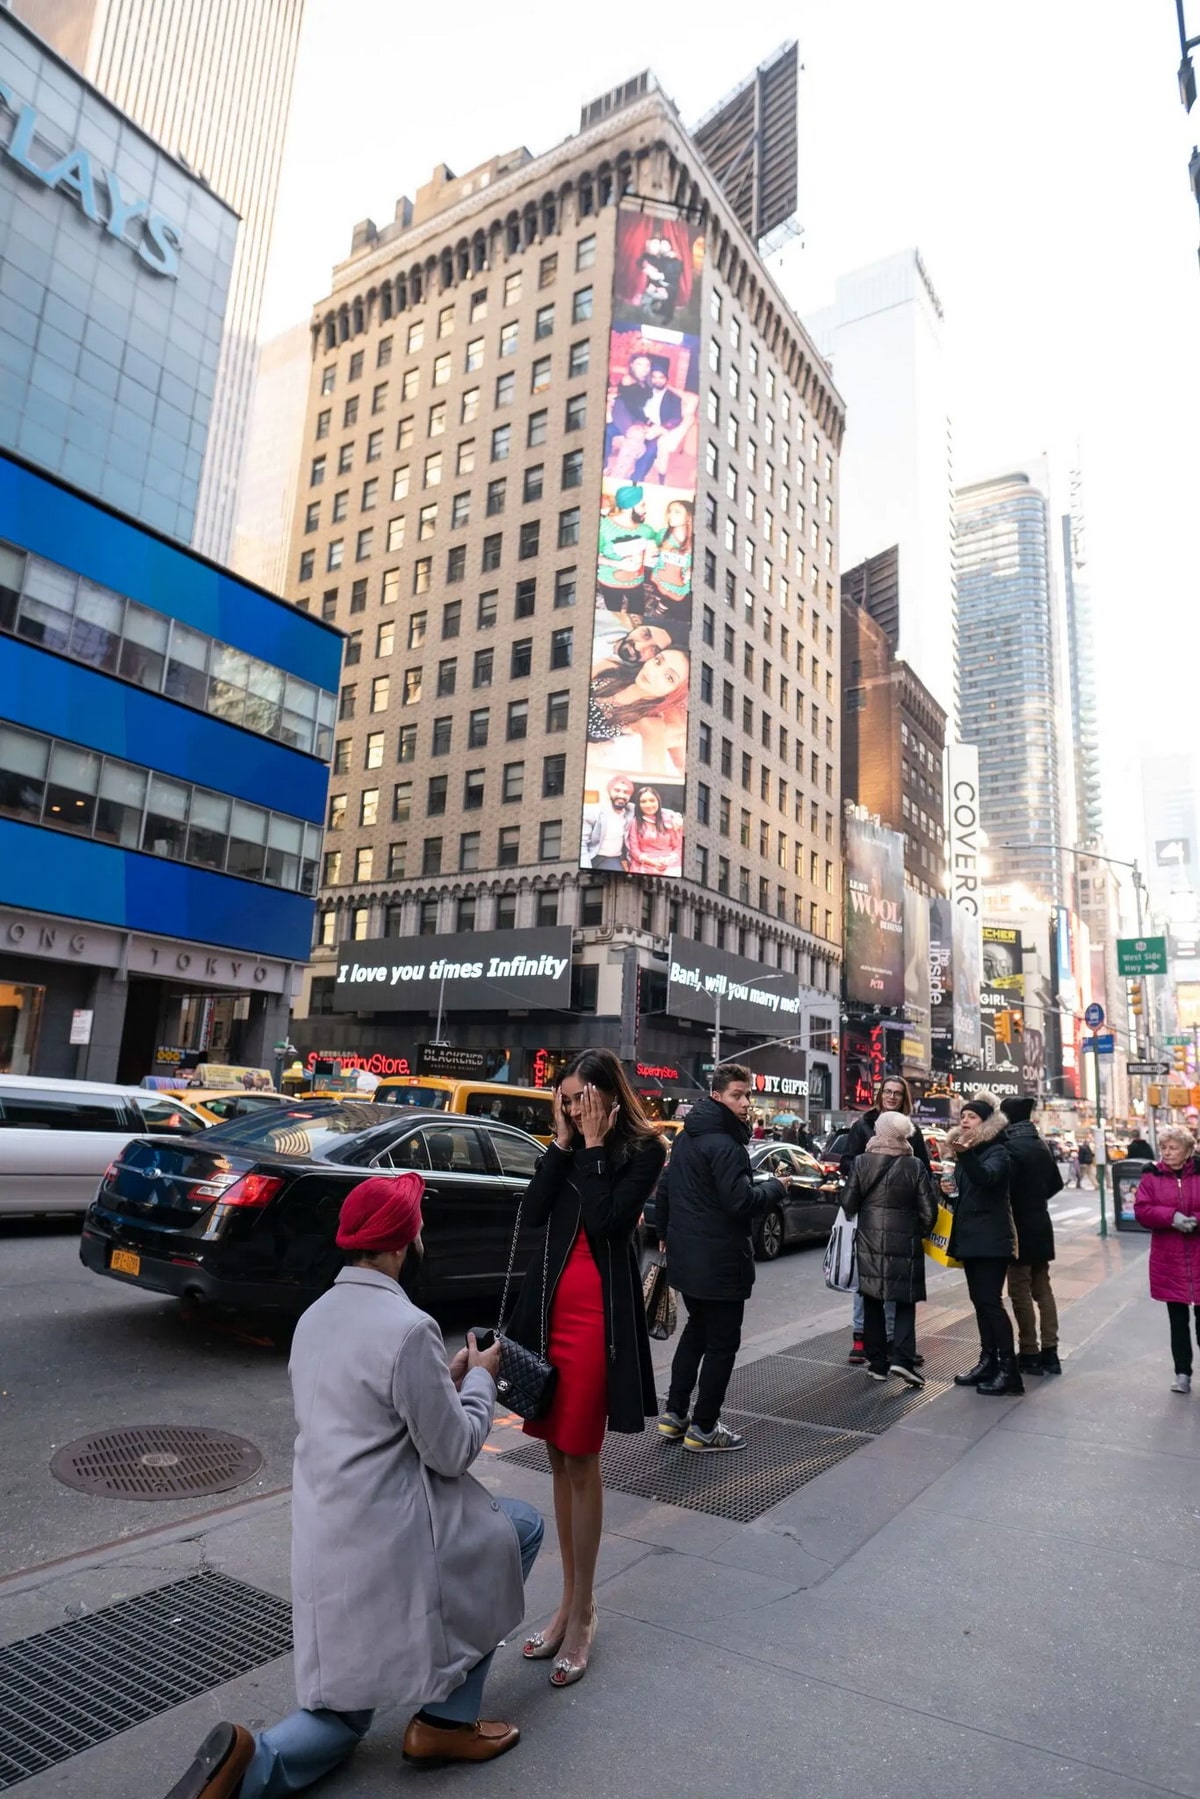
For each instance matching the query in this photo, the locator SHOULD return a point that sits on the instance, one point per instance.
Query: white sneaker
(1182, 1383)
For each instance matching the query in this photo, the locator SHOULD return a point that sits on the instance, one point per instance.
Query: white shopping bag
(841, 1257)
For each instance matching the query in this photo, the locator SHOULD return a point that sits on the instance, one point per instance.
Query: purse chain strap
(512, 1256)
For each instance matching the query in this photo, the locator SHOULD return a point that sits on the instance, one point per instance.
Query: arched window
(479, 255)
(605, 186)
(359, 318)
(462, 260)
(447, 271)
(512, 234)
(330, 333)
(343, 324)
(416, 287)
(549, 216)
(385, 300)
(587, 200)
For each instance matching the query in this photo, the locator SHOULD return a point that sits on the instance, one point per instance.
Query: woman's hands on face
(596, 1117)
(564, 1130)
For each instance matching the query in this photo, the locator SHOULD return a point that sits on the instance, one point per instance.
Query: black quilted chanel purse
(526, 1381)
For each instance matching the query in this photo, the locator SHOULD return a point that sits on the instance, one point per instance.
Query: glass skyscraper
(1009, 686)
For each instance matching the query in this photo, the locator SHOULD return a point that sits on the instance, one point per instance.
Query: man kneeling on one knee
(406, 1573)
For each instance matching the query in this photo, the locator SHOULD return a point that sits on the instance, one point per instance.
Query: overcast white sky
(1036, 152)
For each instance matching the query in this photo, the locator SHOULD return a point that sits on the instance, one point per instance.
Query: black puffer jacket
(707, 1204)
(1033, 1178)
(605, 1192)
(983, 1220)
(896, 1202)
(861, 1132)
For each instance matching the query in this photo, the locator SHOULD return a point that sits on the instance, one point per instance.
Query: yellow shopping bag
(936, 1244)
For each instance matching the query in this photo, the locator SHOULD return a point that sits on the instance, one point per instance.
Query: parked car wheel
(769, 1242)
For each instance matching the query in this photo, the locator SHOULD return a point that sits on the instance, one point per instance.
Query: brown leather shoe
(479, 1742)
(218, 1765)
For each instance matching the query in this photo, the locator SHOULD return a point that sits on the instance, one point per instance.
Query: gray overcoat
(405, 1573)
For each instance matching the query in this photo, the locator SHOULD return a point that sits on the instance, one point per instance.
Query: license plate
(125, 1261)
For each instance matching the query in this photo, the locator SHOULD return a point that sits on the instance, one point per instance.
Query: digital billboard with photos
(634, 771)
(874, 861)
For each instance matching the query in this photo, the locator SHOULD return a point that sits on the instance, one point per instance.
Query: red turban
(383, 1213)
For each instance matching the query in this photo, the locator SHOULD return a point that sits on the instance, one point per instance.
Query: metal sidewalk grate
(815, 1393)
(777, 1460)
(75, 1686)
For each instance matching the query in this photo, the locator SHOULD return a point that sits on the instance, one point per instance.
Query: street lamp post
(783, 975)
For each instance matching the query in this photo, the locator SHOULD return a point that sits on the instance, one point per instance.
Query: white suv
(58, 1137)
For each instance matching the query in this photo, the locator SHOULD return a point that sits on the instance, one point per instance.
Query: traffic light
(1194, 1099)
(1135, 997)
(1179, 1058)
(1153, 1096)
(1002, 1027)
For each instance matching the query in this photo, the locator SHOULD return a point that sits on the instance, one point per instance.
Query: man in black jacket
(1033, 1179)
(705, 1207)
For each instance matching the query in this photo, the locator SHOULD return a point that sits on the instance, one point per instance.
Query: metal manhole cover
(157, 1461)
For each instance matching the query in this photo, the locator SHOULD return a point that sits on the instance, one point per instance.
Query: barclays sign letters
(94, 189)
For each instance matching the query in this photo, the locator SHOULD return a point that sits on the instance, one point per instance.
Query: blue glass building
(164, 740)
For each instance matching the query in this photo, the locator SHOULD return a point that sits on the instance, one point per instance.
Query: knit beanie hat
(981, 1107)
(1019, 1107)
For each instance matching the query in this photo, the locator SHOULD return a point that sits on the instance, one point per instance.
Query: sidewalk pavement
(993, 1597)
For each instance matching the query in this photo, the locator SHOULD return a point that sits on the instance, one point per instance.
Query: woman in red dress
(589, 1191)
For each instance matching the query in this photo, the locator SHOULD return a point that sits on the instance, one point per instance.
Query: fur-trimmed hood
(989, 1130)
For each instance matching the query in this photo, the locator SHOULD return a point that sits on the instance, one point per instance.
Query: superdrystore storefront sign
(493, 971)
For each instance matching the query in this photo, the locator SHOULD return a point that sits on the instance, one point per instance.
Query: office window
(468, 862)
(705, 743)
(548, 269)
(427, 521)
(400, 481)
(484, 659)
(373, 757)
(560, 647)
(558, 711)
(441, 369)
(368, 806)
(383, 354)
(564, 587)
(447, 676)
(307, 564)
(456, 562)
(460, 511)
(451, 618)
(416, 630)
(474, 357)
(410, 384)
(568, 527)
(591, 904)
(379, 396)
(312, 515)
(522, 658)
(478, 306)
(397, 860)
(337, 809)
(501, 443)
(706, 683)
(517, 727)
(534, 479)
(512, 288)
(486, 615)
(464, 462)
(543, 323)
(527, 541)
(443, 735)
(406, 744)
(341, 505)
(412, 686)
(370, 493)
(506, 389)
(477, 728)
(496, 491)
(431, 864)
(572, 469)
(581, 306)
(508, 338)
(350, 412)
(433, 469)
(331, 868)
(416, 336)
(554, 775)
(536, 433)
(375, 445)
(328, 377)
(710, 569)
(508, 852)
(341, 757)
(404, 434)
(353, 650)
(576, 412)
(422, 574)
(526, 598)
(512, 786)
(437, 419)
(585, 254)
(468, 410)
(549, 850)
(539, 379)
(380, 691)
(703, 798)
(492, 547)
(362, 543)
(316, 473)
(334, 554)
(435, 799)
(323, 419)
(385, 639)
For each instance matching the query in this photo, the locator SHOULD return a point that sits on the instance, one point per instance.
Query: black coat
(595, 1188)
(896, 1203)
(707, 1204)
(1033, 1178)
(861, 1132)
(983, 1220)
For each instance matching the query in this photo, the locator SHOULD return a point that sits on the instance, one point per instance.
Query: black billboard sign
(752, 998)
(874, 869)
(491, 971)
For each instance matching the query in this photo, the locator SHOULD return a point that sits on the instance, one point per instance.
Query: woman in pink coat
(1168, 1203)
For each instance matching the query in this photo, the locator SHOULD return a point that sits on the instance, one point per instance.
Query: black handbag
(662, 1314)
(526, 1381)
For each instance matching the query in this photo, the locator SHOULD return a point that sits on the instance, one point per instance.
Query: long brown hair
(897, 1080)
(600, 1068)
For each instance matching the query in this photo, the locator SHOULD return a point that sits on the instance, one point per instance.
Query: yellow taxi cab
(219, 1105)
(529, 1108)
(668, 1128)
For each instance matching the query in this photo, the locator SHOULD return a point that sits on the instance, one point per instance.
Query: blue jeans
(292, 1755)
(889, 1308)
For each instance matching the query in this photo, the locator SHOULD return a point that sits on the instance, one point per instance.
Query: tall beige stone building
(210, 80)
(460, 415)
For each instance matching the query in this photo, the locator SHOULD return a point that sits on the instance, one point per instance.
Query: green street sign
(1178, 1042)
(1141, 955)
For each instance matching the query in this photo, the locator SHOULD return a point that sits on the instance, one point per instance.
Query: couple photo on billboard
(641, 664)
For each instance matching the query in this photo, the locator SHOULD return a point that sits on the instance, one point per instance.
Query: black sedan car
(245, 1214)
(806, 1215)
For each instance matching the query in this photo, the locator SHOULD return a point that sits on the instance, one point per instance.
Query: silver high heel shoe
(566, 1672)
(541, 1648)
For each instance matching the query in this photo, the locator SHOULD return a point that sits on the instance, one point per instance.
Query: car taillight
(252, 1190)
(109, 1172)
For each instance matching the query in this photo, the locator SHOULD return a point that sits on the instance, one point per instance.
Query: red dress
(578, 1415)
